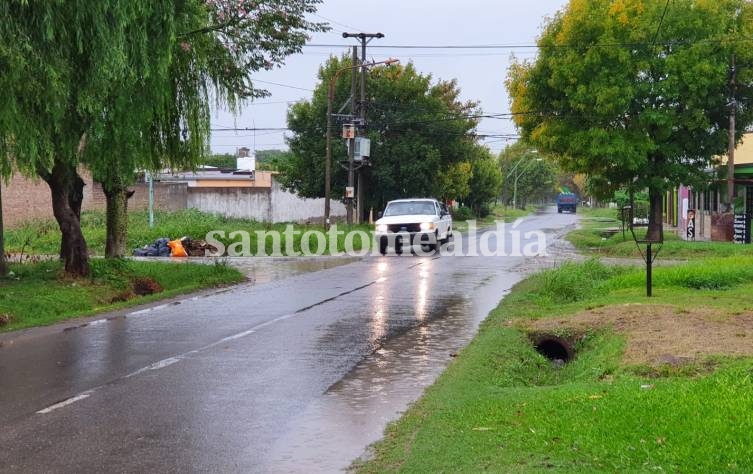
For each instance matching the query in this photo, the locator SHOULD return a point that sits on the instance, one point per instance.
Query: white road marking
(67, 402)
(174, 359)
(161, 364)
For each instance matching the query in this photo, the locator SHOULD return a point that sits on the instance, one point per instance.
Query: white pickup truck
(413, 222)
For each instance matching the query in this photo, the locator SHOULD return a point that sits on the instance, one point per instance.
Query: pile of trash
(183, 247)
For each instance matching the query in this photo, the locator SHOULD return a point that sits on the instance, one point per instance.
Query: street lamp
(517, 176)
(328, 162)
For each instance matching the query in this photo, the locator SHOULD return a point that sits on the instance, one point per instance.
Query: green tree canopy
(419, 130)
(633, 92)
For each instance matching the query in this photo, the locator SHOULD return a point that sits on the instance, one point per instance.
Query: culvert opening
(554, 348)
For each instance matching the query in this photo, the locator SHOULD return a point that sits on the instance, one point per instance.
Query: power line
(283, 85)
(245, 144)
(415, 46)
(442, 55)
(236, 134)
(292, 101)
(338, 23)
(661, 21)
(531, 46)
(249, 129)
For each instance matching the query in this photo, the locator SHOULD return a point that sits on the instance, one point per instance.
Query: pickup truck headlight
(427, 226)
(381, 228)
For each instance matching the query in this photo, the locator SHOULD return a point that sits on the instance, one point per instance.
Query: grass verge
(503, 407)
(42, 237)
(40, 294)
(498, 213)
(601, 234)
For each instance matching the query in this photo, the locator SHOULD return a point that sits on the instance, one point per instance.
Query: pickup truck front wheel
(399, 246)
(383, 245)
(434, 247)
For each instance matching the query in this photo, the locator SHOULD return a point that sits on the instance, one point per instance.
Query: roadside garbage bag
(163, 249)
(177, 249)
(158, 248)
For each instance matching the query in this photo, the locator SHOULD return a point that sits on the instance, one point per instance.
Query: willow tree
(635, 93)
(34, 84)
(161, 118)
(126, 84)
(63, 59)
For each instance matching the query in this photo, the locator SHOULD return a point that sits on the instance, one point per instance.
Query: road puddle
(413, 342)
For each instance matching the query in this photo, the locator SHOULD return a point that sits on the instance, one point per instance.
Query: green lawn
(41, 293)
(502, 407)
(595, 238)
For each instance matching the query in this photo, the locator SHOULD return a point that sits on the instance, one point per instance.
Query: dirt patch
(146, 286)
(664, 334)
(122, 296)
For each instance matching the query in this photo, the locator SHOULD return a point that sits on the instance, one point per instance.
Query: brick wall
(26, 199)
(29, 198)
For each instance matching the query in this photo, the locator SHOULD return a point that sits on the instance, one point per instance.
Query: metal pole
(518, 175)
(649, 261)
(351, 141)
(328, 153)
(363, 37)
(3, 264)
(151, 199)
(362, 103)
(359, 197)
(515, 189)
(731, 140)
(362, 114)
(328, 160)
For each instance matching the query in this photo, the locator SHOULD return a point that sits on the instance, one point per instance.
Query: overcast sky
(480, 72)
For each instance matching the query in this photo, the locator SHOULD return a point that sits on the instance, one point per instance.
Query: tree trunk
(655, 215)
(3, 266)
(75, 199)
(117, 218)
(67, 189)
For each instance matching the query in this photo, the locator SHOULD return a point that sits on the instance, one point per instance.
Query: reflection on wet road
(298, 374)
(353, 411)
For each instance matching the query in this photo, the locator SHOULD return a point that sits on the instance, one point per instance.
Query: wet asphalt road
(296, 374)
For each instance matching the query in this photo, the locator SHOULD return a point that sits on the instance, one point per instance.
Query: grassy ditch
(656, 385)
(42, 237)
(40, 294)
(601, 234)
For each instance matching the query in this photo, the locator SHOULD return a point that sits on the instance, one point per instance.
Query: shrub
(463, 213)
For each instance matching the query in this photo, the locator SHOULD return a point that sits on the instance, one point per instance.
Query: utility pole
(351, 141)
(731, 139)
(328, 155)
(364, 39)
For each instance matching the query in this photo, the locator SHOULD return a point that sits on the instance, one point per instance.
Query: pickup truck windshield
(409, 208)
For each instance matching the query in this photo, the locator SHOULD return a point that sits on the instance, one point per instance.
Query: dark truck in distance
(567, 202)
